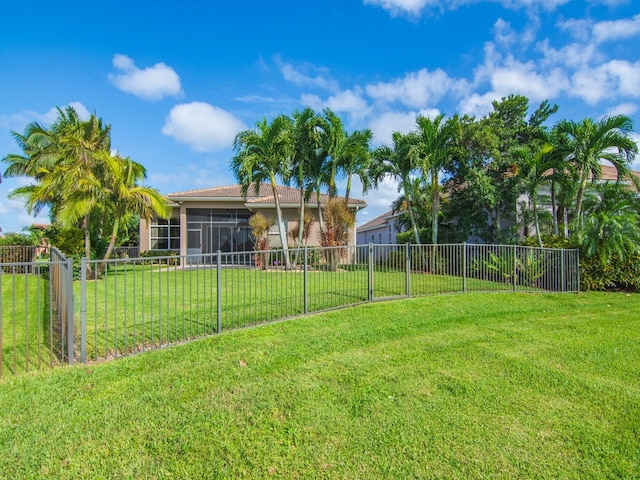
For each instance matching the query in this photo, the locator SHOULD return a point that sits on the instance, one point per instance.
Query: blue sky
(178, 80)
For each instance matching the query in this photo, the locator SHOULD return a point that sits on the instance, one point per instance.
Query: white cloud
(203, 127)
(308, 75)
(628, 109)
(17, 121)
(636, 164)
(417, 89)
(212, 172)
(414, 8)
(610, 80)
(385, 124)
(151, 83)
(616, 29)
(348, 101)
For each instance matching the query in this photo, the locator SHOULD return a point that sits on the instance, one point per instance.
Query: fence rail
(138, 304)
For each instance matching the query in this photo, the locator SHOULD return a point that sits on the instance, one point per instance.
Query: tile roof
(264, 195)
(376, 222)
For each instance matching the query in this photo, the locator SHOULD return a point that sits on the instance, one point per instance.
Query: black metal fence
(139, 304)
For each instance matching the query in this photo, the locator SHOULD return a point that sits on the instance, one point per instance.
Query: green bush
(173, 254)
(617, 274)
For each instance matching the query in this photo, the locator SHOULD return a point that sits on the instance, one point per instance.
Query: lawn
(139, 307)
(27, 341)
(465, 386)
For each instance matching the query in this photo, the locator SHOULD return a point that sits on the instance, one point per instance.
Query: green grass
(25, 324)
(135, 308)
(465, 386)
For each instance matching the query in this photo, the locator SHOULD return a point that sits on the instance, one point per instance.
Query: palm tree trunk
(554, 209)
(534, 194)
(283, 234)
(86, 226)
(320, 220)
(434, 207)
(112, 244)
(348, 190)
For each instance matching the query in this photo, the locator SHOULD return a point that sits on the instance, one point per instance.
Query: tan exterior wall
(291, 215)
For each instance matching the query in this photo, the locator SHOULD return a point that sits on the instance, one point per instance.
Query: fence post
(305, 284)
(408, 269)
(70, 327)
(577, 265)
(83, 310)
(464, 267)
(219, 288)
(562, 267)
(515, 267)
(370, 272)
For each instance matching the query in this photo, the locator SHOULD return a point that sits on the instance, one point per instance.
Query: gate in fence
(138, 304)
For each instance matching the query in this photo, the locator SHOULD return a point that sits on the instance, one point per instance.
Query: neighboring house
(211, 219)
(380, 230)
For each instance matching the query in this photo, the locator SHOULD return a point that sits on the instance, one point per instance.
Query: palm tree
(51, 155)
(305, 140)
(335, 146)
(399, 162)
(356, 159)
(436, 141)
(112, 185)
(535, 170)
(587, 143)
(612, 224)
(262, 155)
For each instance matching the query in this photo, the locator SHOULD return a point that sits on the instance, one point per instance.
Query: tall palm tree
(399, 162)
(356, 159)
(612, 224)
(535, 170)
(336, 147)
(263, 155)
(48, 157)
(112, 185)
(305, 140)
(587, 143)
(436, 140)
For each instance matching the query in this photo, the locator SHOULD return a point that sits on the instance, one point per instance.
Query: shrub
(172, 256)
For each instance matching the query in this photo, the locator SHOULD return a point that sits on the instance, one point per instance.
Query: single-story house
(381, 230)
(210, 219)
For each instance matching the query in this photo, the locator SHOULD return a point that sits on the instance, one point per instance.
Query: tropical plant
(612, 224)
(436, 140)
(260, 226)
(262, 155)
(587, 143)
(111, 185)
(306, 142)
(339, 219)
(400, 162)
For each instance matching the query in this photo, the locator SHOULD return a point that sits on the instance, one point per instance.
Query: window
(165, 234)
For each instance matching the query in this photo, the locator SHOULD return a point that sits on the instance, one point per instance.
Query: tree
(356, 159)
(262, 155)
(436, 140)
(399, 162)
(305, 140)
(587, 143)
(51, 155)
(612, 224)
(111, 185)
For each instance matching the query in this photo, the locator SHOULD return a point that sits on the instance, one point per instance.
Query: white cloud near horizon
(417, 89)
(307, 75)
(151, 83)
(414, 8)
(17, 121)
(383, 125)
(202, 126)
(616, 29)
